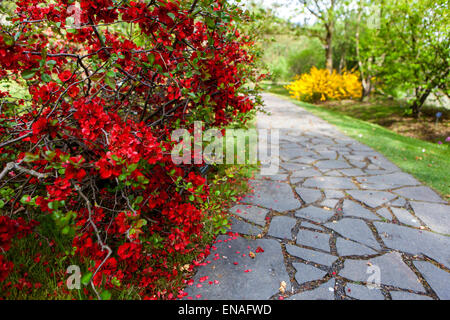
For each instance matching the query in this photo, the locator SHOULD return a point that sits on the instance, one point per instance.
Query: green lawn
(428, 162)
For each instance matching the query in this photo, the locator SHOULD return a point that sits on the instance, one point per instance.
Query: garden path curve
(337, 220)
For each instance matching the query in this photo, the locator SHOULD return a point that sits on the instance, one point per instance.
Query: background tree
(415, 42)
(326, 12)
(368, 50)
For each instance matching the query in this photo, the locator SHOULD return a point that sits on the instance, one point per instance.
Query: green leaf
(141, 223)
(110, 82)
(65, 230)
(86, 278)
(28, 74)
(29, 157)
(151, 58)
(139, 199)
(132, 167)
(45, 77)
(171, 15)
(9, 41)
(210, 22)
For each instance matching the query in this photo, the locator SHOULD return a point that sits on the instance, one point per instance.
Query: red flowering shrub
(91, 145)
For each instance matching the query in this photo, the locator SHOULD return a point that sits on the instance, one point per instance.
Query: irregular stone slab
(357, 163)
(387, 181)
(356, 156)
(400, 202)
(362, 292)
(322, 141)
(351, 208)
(306, 224)
(287, 144)
(308, 195)
(332, 164)
(332, 173)
(329, 155)
(314, 214)
(280, 227)
(371, 198)
(415, 242)
(353, 172)
(436, 216)
(333, 194)
(244, 228)
(349, 248)
(329, 203)
(251, 213)
(323, 292)
(273, 195)
(372, 171)
(405, 217)
(267, 271)
(393, 271)
(382, 162)
(403, 295)
(314, 239)
(329, 183)
(287, 154)
(311, 255)
(355, 229)
(438, 279)
(298, 176)
(384, 212)
(420, 193)
(306, 160)
(294, 167)
(306, 273)
(360, 147)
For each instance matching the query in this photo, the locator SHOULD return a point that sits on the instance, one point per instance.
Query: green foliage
(228, 182)
(287, 55)
(415, 47)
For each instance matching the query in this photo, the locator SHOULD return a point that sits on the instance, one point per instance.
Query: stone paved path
(336, 216)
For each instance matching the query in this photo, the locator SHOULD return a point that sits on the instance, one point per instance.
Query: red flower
(128, 250)
(65, 75)
(73, 91)
(39, 126)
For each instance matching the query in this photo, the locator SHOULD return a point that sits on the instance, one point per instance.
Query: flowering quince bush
(321, 85)
(89, 146)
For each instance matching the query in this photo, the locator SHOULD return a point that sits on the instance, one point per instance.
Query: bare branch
(14, 166)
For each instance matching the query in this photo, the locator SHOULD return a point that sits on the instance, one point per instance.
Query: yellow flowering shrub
(321, 85)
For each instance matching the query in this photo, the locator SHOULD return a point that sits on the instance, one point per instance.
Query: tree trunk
(367, 88)
(418, 103)
(342, 62)
(365, 79)
(329, 49)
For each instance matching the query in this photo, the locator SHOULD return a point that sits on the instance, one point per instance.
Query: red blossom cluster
(91, 145)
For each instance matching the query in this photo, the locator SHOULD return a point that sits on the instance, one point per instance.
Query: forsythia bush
(86, 152)
(321, 85)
